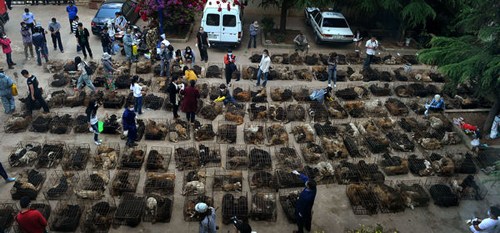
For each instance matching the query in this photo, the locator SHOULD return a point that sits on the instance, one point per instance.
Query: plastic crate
(237, 157)
(76, 158)
(158, 159)
(124, 182)
(160, 183)
(106, 156)
(60, 185)
(133, 157)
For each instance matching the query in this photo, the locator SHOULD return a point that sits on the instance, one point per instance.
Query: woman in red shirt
(190, 101)
(30, 220)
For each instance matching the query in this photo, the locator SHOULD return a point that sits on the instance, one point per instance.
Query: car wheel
(317, 39)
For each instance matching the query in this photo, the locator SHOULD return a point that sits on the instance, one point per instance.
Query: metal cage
(98, 216)
(276, 134)
(106, 156)
(228, 181)
(133, 157)
(160, 183)
(254, 133)
(237, 157)
(263, 206)
(92, 185)
(52, 153)
(25, 154)
(66, 216)
(159, 208)
(158, 159)
(156, 129)
(260, 158)
(29, 183)
(186, 156)
(76, 157)
(204, 130)
(226, 132)
(130, 210)
(60, 185)
(124, 181)
(235, 205)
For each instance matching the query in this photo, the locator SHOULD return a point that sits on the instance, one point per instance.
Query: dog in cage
(152, 207)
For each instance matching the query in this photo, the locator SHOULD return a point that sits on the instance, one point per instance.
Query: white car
(328, 26)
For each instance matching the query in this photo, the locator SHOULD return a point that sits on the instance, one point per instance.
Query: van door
(212, 26)
(230, 28)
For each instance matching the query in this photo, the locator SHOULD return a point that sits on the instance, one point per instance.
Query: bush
(280, 37)
(267, 24)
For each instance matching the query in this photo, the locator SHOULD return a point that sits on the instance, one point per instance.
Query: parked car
(223, 26)
(328, 26)
(105, 14)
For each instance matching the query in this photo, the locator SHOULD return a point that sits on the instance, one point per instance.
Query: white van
(223, 27)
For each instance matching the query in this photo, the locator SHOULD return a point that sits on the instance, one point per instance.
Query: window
(229, 21)
(213, 20)
(106, 12)
(335, 23)
(318, 19)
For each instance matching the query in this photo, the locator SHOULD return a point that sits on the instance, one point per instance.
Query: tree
(473, 57)
(286, 5)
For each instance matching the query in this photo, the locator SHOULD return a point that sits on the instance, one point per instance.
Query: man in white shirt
(29, 19)
(120, 22)
(371, 47)
(487, 225)
(264, 64)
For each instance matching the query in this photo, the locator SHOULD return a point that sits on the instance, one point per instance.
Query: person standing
(106, 41)
(27, 40)
(371, 48)
(229, 61)
(84, 76)
(91, 112)
(109, 69)
(40, 42)
(203, 44)
(34, 92)
(82, 37)
(264, 65)
(30, 220)
(137, 92)
(190, 101)
(5, 42)
(152, 39)
(74, 24)
(487, 225)
(173, 93)
(29, 18)
(358, 40)
(128, 123)
(166, 55)
(207, 215)
(4, 175)
(120, 22)
(254, 30)
(305, 202)
(72, 12)
(332, 69)
(128, 41)
(54, 28)
(8, 102)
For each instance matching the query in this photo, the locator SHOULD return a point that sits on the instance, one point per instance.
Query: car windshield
(334, 23)
(107, 12)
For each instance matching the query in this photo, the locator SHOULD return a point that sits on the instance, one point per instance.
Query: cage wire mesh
(156, 129)
(28, 183)
(8, 212)
(210, 154)
(203, 88)
(226, 132)
(235, 112)
(317, 112)
(112, 125)
(159, 208)
(76, 158)
(393, 164)
(133, 157)
(302, 132)
(258, 94)
(60, 185)
(98, 216)
(388, 198)
(75, 98)
(55, 98)
(288, 200)
(154, 101)
(400, 142)
(113, 100)
(179, 130)
(237, 157)
(106, 156)
(300, 93)
(215, 70)
(160, 183)
(470, 187)
(263, 206)
(254, 133)
(441, 192)
(124, 181)
(186, 157)
(413, 192)
(312, 152)
(52, 153)
(262, 180)
(258, 112)
(277, 112)
(228, 181)
(335, 110)
(288, 158)
(281, 93)
(25, 154)
(92, 185)
(17, 123)
(158, 159)
(130, 210)
(214, 91)
(322, 172)
(276, 134)
(362, 199)
(203, 130)
(194, 182)
(189, 213)
(241, 92)
(260, 158)
(66, 216)
(286, 179)
(295, 112)
(41, 124)
(60, 79)
(234, 204)
(80, 123)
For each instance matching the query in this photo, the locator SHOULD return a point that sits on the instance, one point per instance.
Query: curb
(275, 46)
(185, 39)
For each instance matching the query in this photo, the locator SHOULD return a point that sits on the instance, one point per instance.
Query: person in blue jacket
(72, 13)
(8, 102)
(304, 205)
(436, 104)
(128, 122)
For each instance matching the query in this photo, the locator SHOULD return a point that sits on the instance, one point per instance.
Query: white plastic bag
(494, 128)
(125, 133)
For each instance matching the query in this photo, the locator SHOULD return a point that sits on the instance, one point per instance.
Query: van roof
(213, 4)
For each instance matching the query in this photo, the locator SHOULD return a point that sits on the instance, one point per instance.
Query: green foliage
(280, 37)
(287, 4)
(267, 24)
(416, 13)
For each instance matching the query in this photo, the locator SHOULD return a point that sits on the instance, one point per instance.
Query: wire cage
(8, 212)
(288, 200)
(369, 170)
(194, 182)
(28, 183)
(281, 94)
(362, 199)
(125, 181)
(133, 157)
(295, 112)
(413, 192)
(52, 153)
(237, 157)
(262, 180)
(60, 185)
(160, 183)
(377, 143)
(112, 125)
(276, 134)
(312, 152)
(419, 166)
(228, 181)
(92, 185)
(60, 79)
(156, 129)
(76, 157)
(260, 158)
(288, 158)
(286, 179)
(226, 132)
(159, 208)
(258, 112)
(75, 98)
(277, 112)
(113, 100)
(186, 157)
(235, 112)
(254, 133)
(318, 112)
(203, 130)
(41, 124)
(302, 132)
(17, 123)
(214, 91)
(470, 187)
(66, 216)
(210, 154)
(335, 110)
(234, 205)
(356, 109)
(301, 93)
(441, 192)
(393, 165)
(81, 124)
(396, 107)
(179, 130)
(249, 72)
(25, 154)
(189, 213)
(106, 156)
(55, 98)
(388, 198)
(130, 210)
(158, 159)
(400, 142)
(154, 101)
(203, 87)
(258, 94)
(241, 92)
(98, 216)
(263, 206)
(464, 161)
(322, 172)
(214, 70)
(347, 173)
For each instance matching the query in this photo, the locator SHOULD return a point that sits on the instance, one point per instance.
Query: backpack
(88, 70)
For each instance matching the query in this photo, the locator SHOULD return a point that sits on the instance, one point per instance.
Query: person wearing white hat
(436, 104)
(207, 216)
(109, 69)
(254, 30)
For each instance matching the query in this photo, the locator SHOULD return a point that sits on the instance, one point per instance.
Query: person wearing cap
(436, 105)
(166, 54)
(30, 220)
(54, 28)
(128, 41)
(109, 69)
(84, 77)
(4, 175)
(490, 224)
(207, 215)
(265, 63)
(173, 90)
(8, 101)
(190, 101)
(82, 37)
(203, 44)
(305, 202)
(40, 43)
(72, 12)
(34, 92)
(29, 18)
(27, 40)
(254, 30)
(120, 22)
(7, 49)
(301, 43)
(229, 61)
